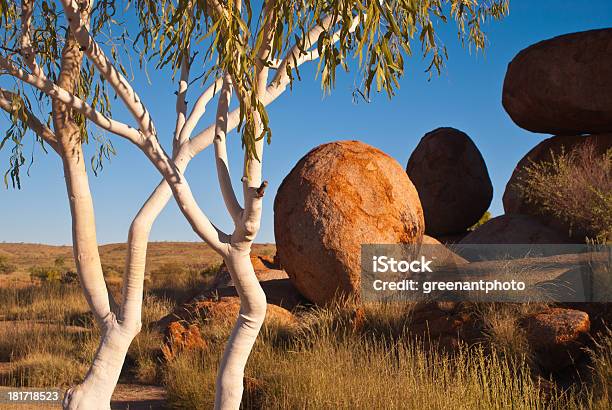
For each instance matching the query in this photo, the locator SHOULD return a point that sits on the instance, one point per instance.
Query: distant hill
(190, 254)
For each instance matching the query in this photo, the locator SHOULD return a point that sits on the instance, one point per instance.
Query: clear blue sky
(466, 96)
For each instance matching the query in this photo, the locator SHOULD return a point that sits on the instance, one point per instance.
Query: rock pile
(558, 86)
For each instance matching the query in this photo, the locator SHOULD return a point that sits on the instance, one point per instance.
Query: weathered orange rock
(180, 337)
(452, 180)
(265, 267)
(557, 336)
(443, 324)
(339, 196)
(224, 312)
(513, 199)
(562, 85)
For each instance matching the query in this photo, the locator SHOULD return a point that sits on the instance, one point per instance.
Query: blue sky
(466, 96)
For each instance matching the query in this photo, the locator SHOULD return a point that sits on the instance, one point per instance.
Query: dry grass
(325, 364)
(6, 266)
(48, 337)
(601, 357)
(337, 358)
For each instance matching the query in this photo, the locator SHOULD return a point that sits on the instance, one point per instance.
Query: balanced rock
(557, 336)
(514, 229)
(562, 85)
(451, 178)
(515, 202)
(339, 196)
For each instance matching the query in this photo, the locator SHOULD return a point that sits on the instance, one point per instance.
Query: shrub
(46, 273)
(575, 187)
(5, 266)
(169, 268)
(69, 277)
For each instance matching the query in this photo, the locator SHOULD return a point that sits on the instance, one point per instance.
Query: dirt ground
(126, 397)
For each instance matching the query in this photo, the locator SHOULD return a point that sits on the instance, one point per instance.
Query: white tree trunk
(118, 331)
(96, 390)
(229, 385)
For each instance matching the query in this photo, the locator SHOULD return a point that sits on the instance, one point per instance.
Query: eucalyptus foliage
(222, 36)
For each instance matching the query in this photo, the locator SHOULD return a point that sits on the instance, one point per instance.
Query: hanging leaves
(219, 37)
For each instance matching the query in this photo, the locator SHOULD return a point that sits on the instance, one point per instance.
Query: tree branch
(223, 173)
(54, 91)
(117, 81)
(181, 103)
(295, 57)
(7, 99)
(199, 109)
(27, 51)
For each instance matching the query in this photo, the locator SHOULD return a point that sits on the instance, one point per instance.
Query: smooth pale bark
(96, 389)
(253, 304)
(247, 326)
(85, 245)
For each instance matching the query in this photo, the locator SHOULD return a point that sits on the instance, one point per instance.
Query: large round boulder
(451, 178)
(339, 196)
(562, 85)
(515, 202)
(514, 229)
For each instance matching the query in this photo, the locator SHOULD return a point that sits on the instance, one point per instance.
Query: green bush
(69, 277)
(46, 273)
(5, 266)
(575, 187)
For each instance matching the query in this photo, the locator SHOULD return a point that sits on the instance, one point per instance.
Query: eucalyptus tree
(68, 55)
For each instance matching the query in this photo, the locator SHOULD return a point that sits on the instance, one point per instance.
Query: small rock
(557, 336)
(224, 312)
(180, 337)
(265, 267)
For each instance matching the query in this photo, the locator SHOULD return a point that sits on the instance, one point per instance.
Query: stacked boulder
(560, 86)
